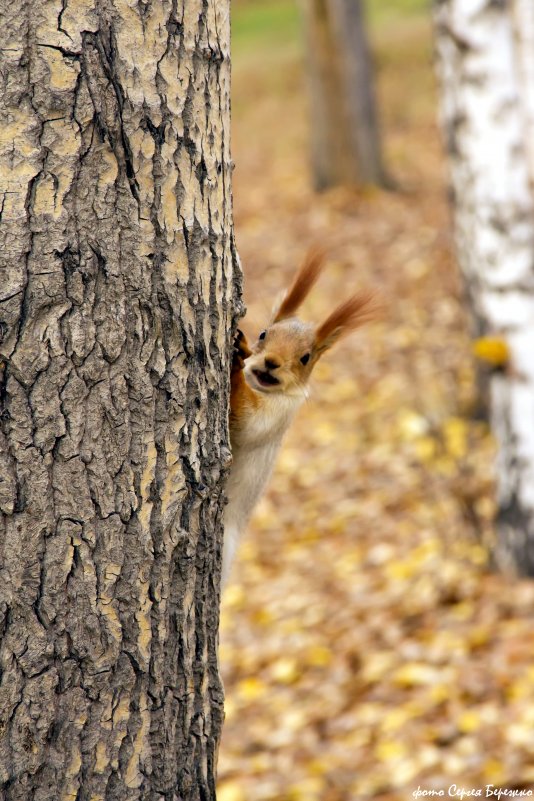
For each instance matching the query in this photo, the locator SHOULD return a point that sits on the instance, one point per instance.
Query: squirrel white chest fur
(254, 448)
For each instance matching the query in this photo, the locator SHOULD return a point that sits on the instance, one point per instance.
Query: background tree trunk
(118, 290)
(494, 220)
(344, 125)
(523, 11)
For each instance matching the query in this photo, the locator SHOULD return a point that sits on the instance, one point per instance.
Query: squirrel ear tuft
(301, 286)
(354, 312)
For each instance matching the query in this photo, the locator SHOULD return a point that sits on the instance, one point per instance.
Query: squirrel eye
(305, 359)
(262, 335)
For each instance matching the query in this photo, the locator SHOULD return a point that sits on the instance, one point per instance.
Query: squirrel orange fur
(269, 383)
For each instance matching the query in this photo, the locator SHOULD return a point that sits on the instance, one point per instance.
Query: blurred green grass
(260, 23)
(387, 11)
(269, 60)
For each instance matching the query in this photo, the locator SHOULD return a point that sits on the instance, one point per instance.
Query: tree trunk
(524, 34)
(345, 132)
(494, 220)
(118, 291)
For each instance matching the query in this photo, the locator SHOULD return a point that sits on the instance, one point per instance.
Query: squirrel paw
(241, 351)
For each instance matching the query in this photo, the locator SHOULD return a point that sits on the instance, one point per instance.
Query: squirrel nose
(271, 363)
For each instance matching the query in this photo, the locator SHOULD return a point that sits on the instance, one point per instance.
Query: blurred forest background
(366, 646)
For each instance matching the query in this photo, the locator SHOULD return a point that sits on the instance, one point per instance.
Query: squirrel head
(288, 349)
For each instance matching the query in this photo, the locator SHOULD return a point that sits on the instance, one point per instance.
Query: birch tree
(345, 135)
(118, 290)
(523, 20)
(485, 124)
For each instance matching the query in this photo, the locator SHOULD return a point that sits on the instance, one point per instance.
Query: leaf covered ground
(367, 649)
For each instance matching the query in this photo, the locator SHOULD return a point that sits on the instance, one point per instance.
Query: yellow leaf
(306, 790)
(318, 656)
(318, 767)
(325, 433)
(494, 771)
(377, 665)
(469, 721)
(262, 617)
(492, 350)
(478, 554)
(479, 635)
(234, 597)
(230, 791)
(401, 570)
(411, 425)
(463, 610)
(415, 674)
(251, 689)
(455, 432)
(520, 736)
(389, 750)
(425, 448)
(293, 720)
(285, 671)
(440, 693)
(395, 719)
(519, 690)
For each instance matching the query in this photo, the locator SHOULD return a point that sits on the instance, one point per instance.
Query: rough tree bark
(345, 133)
(118, 290)
(484, 123)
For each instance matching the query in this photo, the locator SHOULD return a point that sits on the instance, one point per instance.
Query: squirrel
(269, 382)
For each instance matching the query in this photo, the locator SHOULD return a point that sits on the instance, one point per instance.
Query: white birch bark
(524, 34)
(494, 225)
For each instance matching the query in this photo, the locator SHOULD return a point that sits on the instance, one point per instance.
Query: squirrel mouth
(265, 379)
